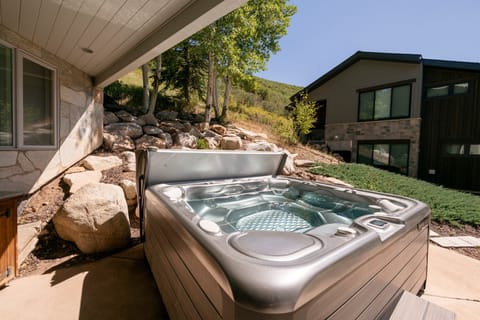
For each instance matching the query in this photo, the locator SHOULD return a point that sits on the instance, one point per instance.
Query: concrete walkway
(122, 287)
(453, 282)
(118, 287)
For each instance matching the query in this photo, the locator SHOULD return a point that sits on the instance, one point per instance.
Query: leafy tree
(304, 115)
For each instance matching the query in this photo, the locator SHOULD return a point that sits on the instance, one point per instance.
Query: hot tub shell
(205, 272)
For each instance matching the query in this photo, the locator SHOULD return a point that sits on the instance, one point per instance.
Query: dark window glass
(460, 88)
(455, 149)
(382, 103)
(437, 91)
(38, 115)
(365, 153)
(401, 101)
(6, 96)
(389, 156)
(381, 154)
(366, 106)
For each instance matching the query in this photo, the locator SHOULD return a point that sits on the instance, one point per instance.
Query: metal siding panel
(82, 19)
(10, 14)
(63, 23)
(28, 17)
(97, 25)
(46, 18)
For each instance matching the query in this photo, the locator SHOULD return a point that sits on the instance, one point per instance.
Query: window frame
(391, 87)
(17, 101)
(389, 143)
(466, 147)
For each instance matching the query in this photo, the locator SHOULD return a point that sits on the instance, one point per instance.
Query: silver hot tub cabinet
(227, 237)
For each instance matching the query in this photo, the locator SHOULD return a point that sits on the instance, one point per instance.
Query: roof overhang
(109, 38)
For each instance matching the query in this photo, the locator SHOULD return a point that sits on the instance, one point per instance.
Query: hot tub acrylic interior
(228, 238)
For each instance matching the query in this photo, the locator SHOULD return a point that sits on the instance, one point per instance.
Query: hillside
(272, 96)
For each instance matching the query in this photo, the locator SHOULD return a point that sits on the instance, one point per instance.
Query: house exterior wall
(343, 131)
(345, 136)
(79, 125)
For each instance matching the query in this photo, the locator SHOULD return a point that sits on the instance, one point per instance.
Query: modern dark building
(401, 112)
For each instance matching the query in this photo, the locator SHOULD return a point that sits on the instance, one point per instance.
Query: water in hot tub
(273, 207)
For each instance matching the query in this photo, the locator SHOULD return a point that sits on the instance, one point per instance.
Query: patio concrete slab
(118, 287)
(453, 282)
(457, 242)
(27, 239)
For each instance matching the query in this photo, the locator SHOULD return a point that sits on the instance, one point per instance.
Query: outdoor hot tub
(227, 237)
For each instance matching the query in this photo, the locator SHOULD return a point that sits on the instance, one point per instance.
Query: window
(447, 90)
(6, 96)
(27, 105)
(385, 103)
(456, 149)
(392, 156)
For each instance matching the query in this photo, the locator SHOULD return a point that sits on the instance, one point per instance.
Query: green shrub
(304, 115)
(447, 205)
(202, 143)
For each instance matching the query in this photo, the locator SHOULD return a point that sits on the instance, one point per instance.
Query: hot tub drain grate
(272, 220)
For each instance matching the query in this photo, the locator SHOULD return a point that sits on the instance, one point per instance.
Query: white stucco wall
(79, 125)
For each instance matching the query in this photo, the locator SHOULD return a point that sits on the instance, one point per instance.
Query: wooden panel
(62, 24)
(329, 301)
(28, 17)
(204, 270)
(119, 20)
(125, 39)
(10, 14)
(8, 241)
(78, 26)
(46, 19)
(367, 294)
(403, 279)
(199, 300)
(107, 11)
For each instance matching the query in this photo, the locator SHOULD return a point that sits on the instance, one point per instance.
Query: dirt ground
(51, 251)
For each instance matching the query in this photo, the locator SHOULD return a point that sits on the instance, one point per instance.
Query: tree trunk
(188, 75)
(226, 98)
(215, 94)
(156, 83)
(210, 84)
(145, 86)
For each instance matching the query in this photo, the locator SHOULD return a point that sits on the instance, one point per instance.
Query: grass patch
(454, 207)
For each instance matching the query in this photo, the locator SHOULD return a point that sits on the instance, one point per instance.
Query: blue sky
(323, 33)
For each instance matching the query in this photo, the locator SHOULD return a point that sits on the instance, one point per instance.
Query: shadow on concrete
(120, 286)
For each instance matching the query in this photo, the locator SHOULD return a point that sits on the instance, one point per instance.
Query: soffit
(121, 34)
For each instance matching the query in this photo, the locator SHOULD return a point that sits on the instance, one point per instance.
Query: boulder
(149, 119)
(117, 143)
(212, 143)
(129, 161)
(262, 146)
(187, 126)
(202, 126)
(129, 188)
(77, 180)
(186, 140)
(221, 130)
(195, 132)
(126, 116)
(304, 163)
(212, 134)
(101, 163)
(147, 141)
(129, 129)
(167, 115)
(250, 135)
(75, 169)
(289, 167)
(95, 218)
(167, 138)
(109, 117)
(231, 143)
(152, 130)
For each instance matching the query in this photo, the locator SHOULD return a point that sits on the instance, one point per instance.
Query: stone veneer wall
(344, 136)
(79, 125)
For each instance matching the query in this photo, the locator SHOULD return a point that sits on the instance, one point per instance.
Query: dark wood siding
(447, 120)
